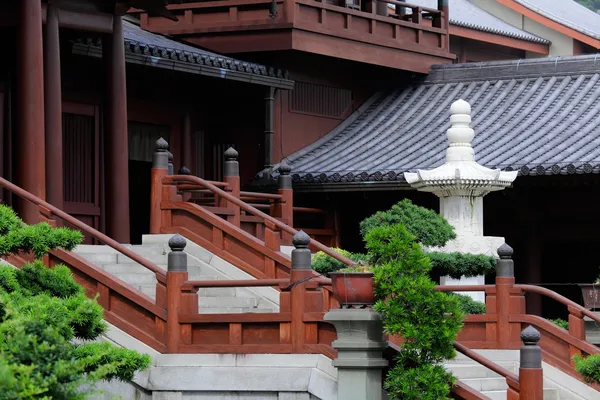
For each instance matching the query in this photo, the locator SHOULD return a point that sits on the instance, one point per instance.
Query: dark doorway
(142, 138)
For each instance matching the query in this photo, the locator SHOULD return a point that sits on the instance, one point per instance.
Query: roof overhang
(565, 30)
(498, 39)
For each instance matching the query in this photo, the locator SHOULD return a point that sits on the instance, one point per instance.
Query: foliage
(459, 264)
(39, 238)
(561, 323)
(428, 227)
(427, 319)
(593, 5)
(588, 367)
(324, 264)
(468, 305)
(42, 311)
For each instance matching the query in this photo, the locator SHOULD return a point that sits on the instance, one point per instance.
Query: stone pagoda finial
(460, 175)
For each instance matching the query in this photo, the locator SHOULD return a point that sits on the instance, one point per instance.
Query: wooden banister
(175, 179)
(266, 196)
(45, 208)
(512, 379)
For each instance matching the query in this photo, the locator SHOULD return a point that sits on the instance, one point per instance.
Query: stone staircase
(210, 300)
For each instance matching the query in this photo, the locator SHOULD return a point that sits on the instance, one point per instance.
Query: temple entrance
(142, 138)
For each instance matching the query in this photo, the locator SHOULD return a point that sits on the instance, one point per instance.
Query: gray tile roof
(147, 48)
(538, 116)
(466, 14)
(568, 13)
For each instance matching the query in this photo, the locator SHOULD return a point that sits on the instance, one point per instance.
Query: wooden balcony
(412, 38)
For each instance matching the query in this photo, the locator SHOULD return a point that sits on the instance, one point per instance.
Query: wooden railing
(124, 306)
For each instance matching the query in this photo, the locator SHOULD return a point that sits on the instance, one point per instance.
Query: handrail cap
(530, 336)
(505, 251)
(231, 154)
(301, 240)
(161, 145)
(177, 243)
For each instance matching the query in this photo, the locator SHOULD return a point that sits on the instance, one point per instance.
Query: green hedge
(42, 311)
(428, 227)
(468, 305)
(324, 264)
(561, 323)
(588, 367)
(459, 264)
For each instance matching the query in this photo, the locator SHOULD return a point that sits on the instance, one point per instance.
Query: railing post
(301, 271)
(160, 165)
(176, 275)
(577, 330)
(505, 279)
(285, 209)
(170, 168)
(531, 374)
(185, 196)
(231, 175)
(444, 23)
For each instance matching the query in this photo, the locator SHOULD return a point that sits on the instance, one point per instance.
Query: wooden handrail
(309, 210)
(80, 225)
(174, 179)
(512, 379)
(256, 195)
(465, 288)
(236, 283)
(561, 299)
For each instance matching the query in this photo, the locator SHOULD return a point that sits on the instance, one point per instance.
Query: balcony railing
(390, 23)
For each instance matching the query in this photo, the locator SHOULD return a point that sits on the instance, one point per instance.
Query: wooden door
(81, 163)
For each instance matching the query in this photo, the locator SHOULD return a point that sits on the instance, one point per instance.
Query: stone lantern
(461, 183)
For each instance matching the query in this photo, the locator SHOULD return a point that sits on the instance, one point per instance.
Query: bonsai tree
(42, 314)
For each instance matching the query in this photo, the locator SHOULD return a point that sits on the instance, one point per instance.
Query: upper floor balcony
(388, 33)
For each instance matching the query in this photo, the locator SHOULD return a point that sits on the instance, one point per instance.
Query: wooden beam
(501, 40)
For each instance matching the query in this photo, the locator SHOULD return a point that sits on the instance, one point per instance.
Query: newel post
(360, 344)
(505, 280)
(176, 275)
(531, 374)
(231, 175)
(285, 209)
(160, 165)
(170, 168)
(301, 271)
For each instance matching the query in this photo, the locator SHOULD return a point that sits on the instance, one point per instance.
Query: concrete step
(549, 394)
(475, 371)
(486, 384)
(226, 302)
(137, 279)
(158, 259)
(126, 269)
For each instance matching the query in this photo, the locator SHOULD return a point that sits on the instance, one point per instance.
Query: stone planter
(591, 295)
(353, 289)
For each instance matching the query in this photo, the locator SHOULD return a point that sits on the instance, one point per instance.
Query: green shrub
(429, 227)
(41, 312)
(324, 264)
(588, 367)
(427, 319)
(468, 305)
(561, 323)
(462, 264)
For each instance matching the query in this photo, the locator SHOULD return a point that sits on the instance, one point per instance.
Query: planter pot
(353, 288)
(591, 295)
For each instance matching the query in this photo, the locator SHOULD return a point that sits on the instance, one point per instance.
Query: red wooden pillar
(285, 209)
(231, 175)
(176, 275)
(531, 374)
(53, 102)
(577, 330)
(445, 23)
(116, 148)
(31, 174)
(160, 169)
(301, 269)
(505, 280)
(186, 143)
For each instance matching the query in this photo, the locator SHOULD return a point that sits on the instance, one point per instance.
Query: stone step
(549, 394)
(486, 384)
(466, 371)
(226, 302)
(115, 269)
(137, 279)
(158, 259)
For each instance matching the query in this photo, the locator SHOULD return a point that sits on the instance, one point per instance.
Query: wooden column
(53, 102)
(177, 274)
(505, 279)
(445, 23)
(31, 174)
(160, 169)
(285, 208)
(116, 148)
(531, 374)
(301, 269)
(231, 176)
(269, 125)
(186, 143)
